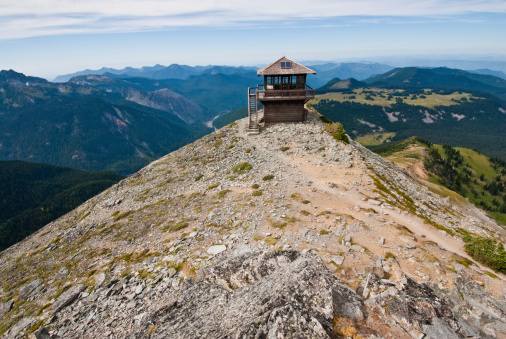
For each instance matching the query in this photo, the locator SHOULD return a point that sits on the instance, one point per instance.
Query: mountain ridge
(224, 220)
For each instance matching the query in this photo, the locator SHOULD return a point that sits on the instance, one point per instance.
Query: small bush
(323, 232)
(389, 255)
(257, 193)
(306, 213)
(305, 202)
(198, 177)
(268, 177)
(221, 194)
(248, 150)
(284, 149)
(242, 168)
(337, 131)
(255, 186)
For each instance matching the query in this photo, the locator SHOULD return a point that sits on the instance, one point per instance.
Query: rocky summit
(284, 234)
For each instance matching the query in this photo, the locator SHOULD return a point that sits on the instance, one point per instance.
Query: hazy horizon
(62, 36)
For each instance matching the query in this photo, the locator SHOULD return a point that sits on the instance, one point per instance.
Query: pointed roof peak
(280, 67)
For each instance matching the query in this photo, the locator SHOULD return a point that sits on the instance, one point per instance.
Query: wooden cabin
(283, 93)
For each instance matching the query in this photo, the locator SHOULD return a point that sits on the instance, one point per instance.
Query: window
(286, 64)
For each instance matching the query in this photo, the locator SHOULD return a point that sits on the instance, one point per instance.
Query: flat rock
(6, 307)
(67, 297)
(213, 250)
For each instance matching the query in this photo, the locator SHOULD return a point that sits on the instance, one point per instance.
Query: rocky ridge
(284, 234)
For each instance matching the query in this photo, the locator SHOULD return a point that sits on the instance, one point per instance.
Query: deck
(285, 94)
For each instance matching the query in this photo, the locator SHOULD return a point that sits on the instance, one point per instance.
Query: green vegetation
(122, 215)
(257, 193)
(472, 175)
(32, 195)
(475, 123)
(467, 172)
(255, 186)
(241, 168)
(388, 97)
(222, 194)
(176, 227)
(268, 177)
(337, 131)
(284, 148)
(488, 251)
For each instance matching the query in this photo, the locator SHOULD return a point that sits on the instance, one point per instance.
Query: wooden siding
(284, 111)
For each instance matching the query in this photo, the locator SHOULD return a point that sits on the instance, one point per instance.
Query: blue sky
(56, 37)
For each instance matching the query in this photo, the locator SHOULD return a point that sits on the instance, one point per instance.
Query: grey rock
(42, 333)
(67, 297)
(27, 289)
(439, 329)
(172, 272)
(240, 249)
(284, 292)
(139, 289)
(6, 307)
(213, 250)
(338, 259)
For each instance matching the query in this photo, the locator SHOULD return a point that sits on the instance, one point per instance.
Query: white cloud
(27, 18)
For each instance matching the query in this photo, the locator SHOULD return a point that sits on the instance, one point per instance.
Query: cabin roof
(275, 68)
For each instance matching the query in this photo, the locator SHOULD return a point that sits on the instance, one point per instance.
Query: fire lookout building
(283, 93)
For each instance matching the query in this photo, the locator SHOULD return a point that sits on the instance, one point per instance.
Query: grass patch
(337, 131)
(305, 202)
(241, 168)
(389, 255)
(222, 194)
(198, 177)
(271, 241)
(257, 193)
(255, 186)
(268, 177)
(84, 216)
(122, 215)
(304, 212)
(284, 149)
(323, 232)
(490, 274)
(210, 187)
(176, 227)
(279, 224)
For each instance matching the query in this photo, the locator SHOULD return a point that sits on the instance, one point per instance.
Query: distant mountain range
(121, 122)
(443, 105)
(325, 72)
(159, 72)
(441, 77)
(82, 127)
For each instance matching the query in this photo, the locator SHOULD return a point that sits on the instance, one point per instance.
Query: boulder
(67, 297)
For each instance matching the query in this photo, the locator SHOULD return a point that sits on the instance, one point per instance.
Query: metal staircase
(253, 127)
